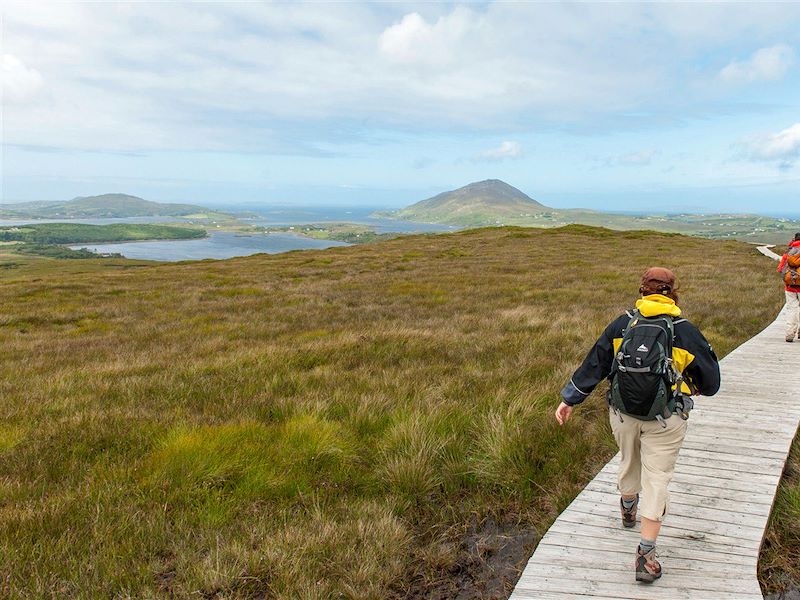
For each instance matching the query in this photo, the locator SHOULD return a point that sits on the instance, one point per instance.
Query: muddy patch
(488, 562)
(787, 595)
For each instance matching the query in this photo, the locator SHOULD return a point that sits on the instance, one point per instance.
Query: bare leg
(650, 529)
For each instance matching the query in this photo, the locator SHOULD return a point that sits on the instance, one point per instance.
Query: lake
(223, 244)
(219, 244)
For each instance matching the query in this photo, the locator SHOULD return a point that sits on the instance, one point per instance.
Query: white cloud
(642, 157)
(766, 64)
(20, 83)
(414, 41)
(506, 150)
(285, 77)
(782, 148)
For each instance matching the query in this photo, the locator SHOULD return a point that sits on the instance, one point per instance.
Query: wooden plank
(770, 462)
(716, 509)
(630, 589)
(624, 573)
(702, 551)
(696, 492)
(719, 466)
(739, 535)
(672, 537)
(687, 479)
(730, 448)
(554, 556)
(588, 503)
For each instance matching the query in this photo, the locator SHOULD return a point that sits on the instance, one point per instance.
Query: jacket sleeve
(782, 263)
(702, 374)
(595, 367)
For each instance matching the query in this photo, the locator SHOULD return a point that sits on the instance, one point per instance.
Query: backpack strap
(615, 364)
(675, 377)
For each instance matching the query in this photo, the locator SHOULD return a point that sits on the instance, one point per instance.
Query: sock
(646, 546)
(628, 504)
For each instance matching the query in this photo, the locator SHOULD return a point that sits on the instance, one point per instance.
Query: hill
(103, 206)
(361, 422)
(494, 202)
(79, 233)
(480, 203)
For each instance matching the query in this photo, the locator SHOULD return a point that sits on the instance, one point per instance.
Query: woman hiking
(788, 267)
(654, 361)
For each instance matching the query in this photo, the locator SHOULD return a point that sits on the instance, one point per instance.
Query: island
(52, 239)
(106, 206)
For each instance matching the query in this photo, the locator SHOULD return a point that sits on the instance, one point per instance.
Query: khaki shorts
(649, 452)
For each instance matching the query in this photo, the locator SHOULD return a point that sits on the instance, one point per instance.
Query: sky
(620, 106)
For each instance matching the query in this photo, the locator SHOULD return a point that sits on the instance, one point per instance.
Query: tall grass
(344, 423)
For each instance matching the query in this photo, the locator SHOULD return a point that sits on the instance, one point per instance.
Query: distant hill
(494, 202)
(481, 203)
(103, 206)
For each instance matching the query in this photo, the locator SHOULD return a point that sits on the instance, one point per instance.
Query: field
(364, 422)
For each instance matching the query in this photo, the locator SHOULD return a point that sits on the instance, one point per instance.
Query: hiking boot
(629, 514)
(648, 569)
(789, 338)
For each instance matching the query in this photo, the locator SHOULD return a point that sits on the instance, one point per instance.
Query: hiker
(788, 267)
(654, 361)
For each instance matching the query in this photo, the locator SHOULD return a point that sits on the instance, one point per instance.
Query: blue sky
(686, 107)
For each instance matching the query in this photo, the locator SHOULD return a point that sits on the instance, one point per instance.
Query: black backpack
(642, 374)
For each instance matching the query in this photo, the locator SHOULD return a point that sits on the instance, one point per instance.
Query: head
(658, 280)
(797, 237)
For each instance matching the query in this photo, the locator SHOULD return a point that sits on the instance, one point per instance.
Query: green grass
(79, 233)
(318, 424)
(779, 564)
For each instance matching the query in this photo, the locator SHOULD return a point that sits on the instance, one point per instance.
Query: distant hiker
(789, 267)
(654, 361)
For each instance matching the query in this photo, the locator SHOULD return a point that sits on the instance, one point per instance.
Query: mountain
(494, 202)
(103, 206)
(481, 203)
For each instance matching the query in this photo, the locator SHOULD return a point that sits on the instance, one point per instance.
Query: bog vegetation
(363, 422)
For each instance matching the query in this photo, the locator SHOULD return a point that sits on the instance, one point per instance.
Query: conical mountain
(481, 203)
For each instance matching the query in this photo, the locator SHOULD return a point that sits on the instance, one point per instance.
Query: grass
(779, 564)
(361, 422)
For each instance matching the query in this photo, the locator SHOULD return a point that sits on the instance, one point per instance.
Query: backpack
(791, 276)
(642, 374)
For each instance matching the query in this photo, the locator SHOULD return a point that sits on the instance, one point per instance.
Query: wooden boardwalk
(721, 495)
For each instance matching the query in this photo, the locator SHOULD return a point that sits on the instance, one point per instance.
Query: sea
(225, 244)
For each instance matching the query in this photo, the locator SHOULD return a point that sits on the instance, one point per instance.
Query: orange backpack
(791, 277)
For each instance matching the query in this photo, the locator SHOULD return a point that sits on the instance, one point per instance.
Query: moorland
(372, 421)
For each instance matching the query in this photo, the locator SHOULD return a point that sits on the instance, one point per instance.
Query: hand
(563, 413)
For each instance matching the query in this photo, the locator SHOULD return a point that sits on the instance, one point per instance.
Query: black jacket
(692, 354)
